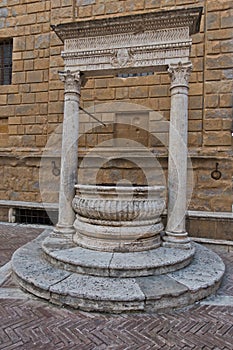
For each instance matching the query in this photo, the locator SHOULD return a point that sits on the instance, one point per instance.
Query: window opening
(6, 47)
(35, 216)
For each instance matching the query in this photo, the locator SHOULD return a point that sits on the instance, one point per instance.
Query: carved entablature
(138, 42)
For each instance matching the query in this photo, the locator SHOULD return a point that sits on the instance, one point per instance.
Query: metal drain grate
(35, 216)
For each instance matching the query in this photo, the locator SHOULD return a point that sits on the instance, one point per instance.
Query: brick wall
(31, 107)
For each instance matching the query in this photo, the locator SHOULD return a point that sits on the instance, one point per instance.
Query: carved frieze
(144, 40)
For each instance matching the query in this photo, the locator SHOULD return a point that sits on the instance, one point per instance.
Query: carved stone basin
(118, 218)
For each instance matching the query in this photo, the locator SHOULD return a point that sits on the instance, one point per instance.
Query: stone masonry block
(13, 99)
(194, 139)
(227, 46)
(196, 89)
(122, 93)
(134, 5)
(195, 102)
(105, 94)
(28, 98)
(99, 9)
(29, 42)
(227, 19)
(36, 7)
(225, 113)
(212, 124)
(18, 78)
(28, 65)
(217, 138)
(151, 4)
(18, 66)
(3, 99)
(213, 20)
(219, 5)
(85, 11)
(26, 20)
(195, 125)
(7, 111)
(212, 101)
(27, 110)
(226, 100)
(35, 76)
(221, 34)
(85, 2)
(138, 92)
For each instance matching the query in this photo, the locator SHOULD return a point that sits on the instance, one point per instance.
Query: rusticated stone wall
(31, 107)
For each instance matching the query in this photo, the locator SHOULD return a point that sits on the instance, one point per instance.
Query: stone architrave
(69, 155)
(177, 165)
(133, 43)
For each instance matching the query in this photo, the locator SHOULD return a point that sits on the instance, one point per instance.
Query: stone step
(68, 256)
(117, 294)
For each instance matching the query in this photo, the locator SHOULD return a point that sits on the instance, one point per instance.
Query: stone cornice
(132, 24)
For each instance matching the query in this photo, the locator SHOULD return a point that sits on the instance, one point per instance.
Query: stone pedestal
(55, 269)
(69, 155)
(176, 234)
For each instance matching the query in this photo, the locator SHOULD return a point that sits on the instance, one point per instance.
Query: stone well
(118, 218)
(112, 257)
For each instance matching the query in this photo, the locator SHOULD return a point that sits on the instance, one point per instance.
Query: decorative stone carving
(122, 58)
(72, 81)
(145, 40)
(180, 74)
(118, 218)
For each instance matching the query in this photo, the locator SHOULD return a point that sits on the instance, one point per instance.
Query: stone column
(176, 235)
(69, 154)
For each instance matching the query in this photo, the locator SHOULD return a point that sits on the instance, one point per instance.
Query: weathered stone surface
(206, 269)
(31, 268)
(118, 218)
(157, 287)
(62, 253)
(93, 293)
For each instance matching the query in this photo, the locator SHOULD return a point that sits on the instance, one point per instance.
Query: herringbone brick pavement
(14, 236)
(227, 283)
(30, 323)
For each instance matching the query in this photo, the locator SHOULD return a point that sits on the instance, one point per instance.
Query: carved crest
(122, 58)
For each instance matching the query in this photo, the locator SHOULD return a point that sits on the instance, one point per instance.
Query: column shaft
(69, 154)
(177, 164)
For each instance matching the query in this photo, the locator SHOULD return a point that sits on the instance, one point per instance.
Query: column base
(177, 240)
(62, 229)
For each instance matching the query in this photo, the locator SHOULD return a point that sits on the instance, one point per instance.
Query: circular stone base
(68, 256)
(136, 238)
(116, 294)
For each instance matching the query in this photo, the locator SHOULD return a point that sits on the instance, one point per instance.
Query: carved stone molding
(138, 23)
(118, 218)
(72, 81)
(137, 42)
(180, 74)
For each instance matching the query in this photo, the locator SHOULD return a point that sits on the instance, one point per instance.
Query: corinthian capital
(72, 81)
(180, 74)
